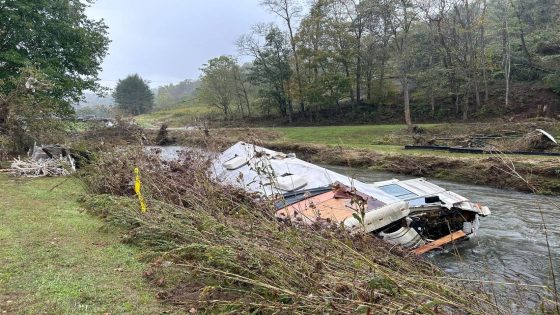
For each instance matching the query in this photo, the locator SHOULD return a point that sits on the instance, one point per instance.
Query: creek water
(511, 246)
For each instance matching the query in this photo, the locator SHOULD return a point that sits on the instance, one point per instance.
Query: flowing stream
(511, 245)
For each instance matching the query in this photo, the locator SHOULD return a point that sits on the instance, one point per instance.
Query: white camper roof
(255, 168)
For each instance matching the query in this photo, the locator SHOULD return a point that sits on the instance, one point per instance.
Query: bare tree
(401, 15)
(506, 48)
(483, 52)
(289, 10)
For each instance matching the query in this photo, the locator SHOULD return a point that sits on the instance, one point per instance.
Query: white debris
(61, 166)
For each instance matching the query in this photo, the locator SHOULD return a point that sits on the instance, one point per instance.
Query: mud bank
(539, 176)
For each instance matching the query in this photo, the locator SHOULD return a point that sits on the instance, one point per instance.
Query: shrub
(29, 113)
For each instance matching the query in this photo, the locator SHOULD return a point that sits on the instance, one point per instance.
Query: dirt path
(56, 260)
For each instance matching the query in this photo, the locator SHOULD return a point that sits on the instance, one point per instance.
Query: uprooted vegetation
(217, 249)
(510, 136)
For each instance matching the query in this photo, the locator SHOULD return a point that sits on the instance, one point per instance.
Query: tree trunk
(433, 102)
(522, 31)
(431, 84)
(382, 80)
(296, 59)
(483, 57)
(466, 105)
(246, 97)
(351, 90)
(407, 117)
(358, 79)
(290, 111)
(240, 106)
(359, 68)
(456, 99)
(507, 65)
(368, 92)
(476, 95)
(466, 108)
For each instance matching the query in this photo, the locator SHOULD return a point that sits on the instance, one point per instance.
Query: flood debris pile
(537, 140)
(415, 213)
(219, 249)
(122, 131)
(49, 160)
(531, 141)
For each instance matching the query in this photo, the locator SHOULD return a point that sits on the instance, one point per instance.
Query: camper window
(399, 192)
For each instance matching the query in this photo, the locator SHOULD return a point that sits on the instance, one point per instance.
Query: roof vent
(289, 182)
(235, 163)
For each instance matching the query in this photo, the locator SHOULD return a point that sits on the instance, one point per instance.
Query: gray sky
(166, 41)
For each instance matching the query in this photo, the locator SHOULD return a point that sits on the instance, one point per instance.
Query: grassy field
(388, 139)
(362, 136)
(358, 136)
(56, 260)
(175, 117)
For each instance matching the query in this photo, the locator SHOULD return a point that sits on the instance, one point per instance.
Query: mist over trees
(436, 58)
(172, 94)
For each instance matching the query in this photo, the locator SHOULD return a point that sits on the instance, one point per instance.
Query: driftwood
(61, 166)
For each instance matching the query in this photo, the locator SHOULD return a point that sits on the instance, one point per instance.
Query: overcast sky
(166, 41)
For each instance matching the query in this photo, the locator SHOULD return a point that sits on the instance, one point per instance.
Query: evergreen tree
(133, 95)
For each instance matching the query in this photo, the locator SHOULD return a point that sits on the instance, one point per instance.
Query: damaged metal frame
(414, 214)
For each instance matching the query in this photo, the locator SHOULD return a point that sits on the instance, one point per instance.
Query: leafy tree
(451, 54)
(218, 86)
(50, 52)
(133, 95)
(271, 69)
(56, 37)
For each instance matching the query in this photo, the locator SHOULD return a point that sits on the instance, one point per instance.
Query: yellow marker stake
(138, 191)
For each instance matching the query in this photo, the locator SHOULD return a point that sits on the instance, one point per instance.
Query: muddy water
(511, 245)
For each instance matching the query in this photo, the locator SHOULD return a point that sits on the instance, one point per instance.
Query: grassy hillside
(180, 116)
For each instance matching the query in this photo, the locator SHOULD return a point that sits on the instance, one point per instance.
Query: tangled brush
(217, 249)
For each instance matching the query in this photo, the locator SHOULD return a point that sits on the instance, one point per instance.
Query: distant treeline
(449, 57)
